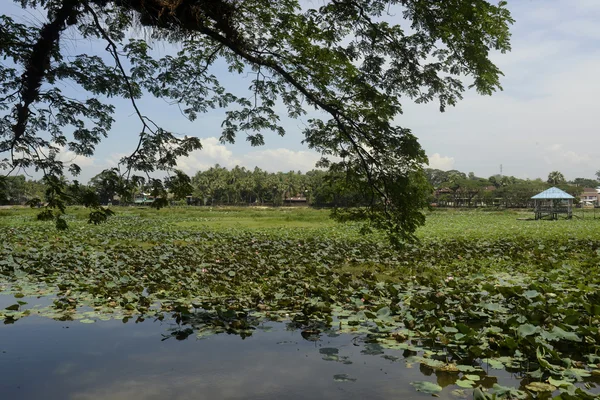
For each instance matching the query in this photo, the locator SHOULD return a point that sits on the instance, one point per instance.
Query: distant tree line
(18, 189)
(220, 186)
(216, 186)
(457, 189)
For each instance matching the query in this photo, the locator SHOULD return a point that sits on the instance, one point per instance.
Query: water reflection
(180, 357)
(49, 359)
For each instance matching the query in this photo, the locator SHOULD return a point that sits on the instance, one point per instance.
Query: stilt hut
(552, 202)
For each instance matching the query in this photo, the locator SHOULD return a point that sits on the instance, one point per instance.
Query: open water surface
(46, 359)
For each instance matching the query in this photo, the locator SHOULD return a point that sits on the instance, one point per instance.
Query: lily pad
(526, 330)
(495, 364)
(559, 382)
(426, 387)
(540, 387)
(465, 383)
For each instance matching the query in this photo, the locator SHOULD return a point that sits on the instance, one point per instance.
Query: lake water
(45, 359)
(42, 358)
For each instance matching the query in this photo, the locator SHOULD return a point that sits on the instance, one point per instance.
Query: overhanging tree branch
(338, 57)
(113, 50)
(38, 65)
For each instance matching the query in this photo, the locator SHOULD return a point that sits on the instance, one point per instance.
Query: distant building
(143, 199)
(296, 201)
(590, 197)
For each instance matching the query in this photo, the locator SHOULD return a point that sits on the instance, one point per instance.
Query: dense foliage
(352, 61)
(218, 186)
(19, 190)
(556, 178)
(221, 186)
(457, 189)
(472, 299)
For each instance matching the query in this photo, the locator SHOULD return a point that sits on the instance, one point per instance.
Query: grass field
(481, 291)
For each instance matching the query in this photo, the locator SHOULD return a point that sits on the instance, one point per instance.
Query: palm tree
(556, 178)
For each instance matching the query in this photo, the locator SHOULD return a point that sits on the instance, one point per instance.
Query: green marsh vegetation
(480, 294)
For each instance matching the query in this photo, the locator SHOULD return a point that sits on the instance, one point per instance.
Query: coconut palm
(556, 178)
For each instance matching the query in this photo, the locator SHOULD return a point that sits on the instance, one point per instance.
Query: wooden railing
(558, 210)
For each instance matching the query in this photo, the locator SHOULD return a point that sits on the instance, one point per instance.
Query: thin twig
(113, 50)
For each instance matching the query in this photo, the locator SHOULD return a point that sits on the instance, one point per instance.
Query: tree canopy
(556, 178)
(353, 60)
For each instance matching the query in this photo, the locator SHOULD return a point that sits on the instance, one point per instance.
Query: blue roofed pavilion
(552, 202)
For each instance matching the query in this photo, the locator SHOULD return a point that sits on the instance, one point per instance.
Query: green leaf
(383, 312)
(465, 383)
(479, 395)
(509, 392)
(576, 373)
(540, 387)
(525, 330)
(427, 387)
(558, 333)
(543, 362)
(559, 382)
(531, 293)
(495, 364)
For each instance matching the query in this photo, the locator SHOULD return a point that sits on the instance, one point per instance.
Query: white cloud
(69, 157)
(114, 159)
(438, 161)
(89, 165)
(558, 157)
(281, 159)
(212, 152)
(272, 160)
(550, 96)
(516, 127)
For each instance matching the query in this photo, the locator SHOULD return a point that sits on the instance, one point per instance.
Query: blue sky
(544, 120)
